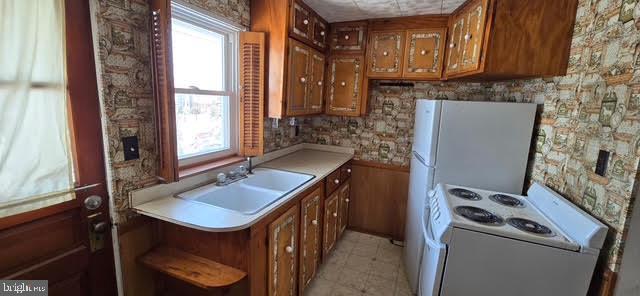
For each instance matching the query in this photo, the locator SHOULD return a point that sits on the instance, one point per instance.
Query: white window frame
(193, 16)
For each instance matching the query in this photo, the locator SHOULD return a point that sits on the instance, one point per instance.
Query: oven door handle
(428, 235)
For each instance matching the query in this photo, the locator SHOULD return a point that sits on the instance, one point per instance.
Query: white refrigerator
(476, 144)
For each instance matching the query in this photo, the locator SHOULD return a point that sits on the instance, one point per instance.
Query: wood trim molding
(373, 164)
(200, 168)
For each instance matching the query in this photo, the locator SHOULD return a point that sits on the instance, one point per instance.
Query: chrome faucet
(250, 169)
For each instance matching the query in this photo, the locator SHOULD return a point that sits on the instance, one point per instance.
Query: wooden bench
(195, 270)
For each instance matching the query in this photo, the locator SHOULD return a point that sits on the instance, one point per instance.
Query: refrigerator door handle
(420, 159)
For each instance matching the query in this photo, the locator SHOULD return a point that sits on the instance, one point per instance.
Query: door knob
(452, 45)
(385, 53)
(303, 80)
(346, 37)
(314, 222)
(349, 171)
(337, 181)
(99, 227)
(319, 83)
(346, 200)
(423, 52)
(289, 249)
(343, 83)
(467, 37)
(321, 33)
(335, 214)
(306, 22)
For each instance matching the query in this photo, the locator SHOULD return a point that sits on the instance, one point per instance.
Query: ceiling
(350, 10)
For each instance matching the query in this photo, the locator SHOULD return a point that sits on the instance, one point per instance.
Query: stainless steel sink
(250, 195)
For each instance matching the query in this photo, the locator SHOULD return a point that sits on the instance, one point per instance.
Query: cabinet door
(299, 55)
(283, 239)
(343, 207)
(309, 236)
(424, 53)
(320, 32)
(473, 35)
(300, 21)
(348, 36)
(386, 54)
(455, 44)
(344, 90)
(330, 223)
(345, 172)
(316, 86)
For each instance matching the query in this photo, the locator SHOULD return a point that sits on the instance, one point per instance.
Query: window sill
(203, 167)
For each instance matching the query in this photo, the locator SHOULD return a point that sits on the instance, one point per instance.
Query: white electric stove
(481, 242)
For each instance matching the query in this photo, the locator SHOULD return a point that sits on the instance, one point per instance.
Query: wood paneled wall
(136, 238)
(379, 195)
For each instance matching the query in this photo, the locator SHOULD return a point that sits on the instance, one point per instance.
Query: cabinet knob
(423, 52)
(319, 83)
(289, 249)
(335, 214)
(346, 37)
(321, 33)
(385, 53)
(337, 181)
(342, 83)
(452, 45)
(314, 222)
(303, 80)
(467, 37)
(306, 22)
(349, 171)
(346, 200)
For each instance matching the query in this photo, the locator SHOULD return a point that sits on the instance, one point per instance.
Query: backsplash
(121, 35)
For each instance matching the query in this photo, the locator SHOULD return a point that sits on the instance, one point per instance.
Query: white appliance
(478, 144)
(482, 242)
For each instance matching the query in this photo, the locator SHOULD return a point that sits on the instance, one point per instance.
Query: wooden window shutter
(162, 71)
(252, 68)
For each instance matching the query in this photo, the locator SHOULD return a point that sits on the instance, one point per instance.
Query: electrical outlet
(130, 146)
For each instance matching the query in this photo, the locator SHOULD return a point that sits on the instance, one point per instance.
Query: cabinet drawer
(332, 182)
(348, 36)
(345, 172)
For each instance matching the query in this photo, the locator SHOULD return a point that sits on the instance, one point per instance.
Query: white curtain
(36, 168)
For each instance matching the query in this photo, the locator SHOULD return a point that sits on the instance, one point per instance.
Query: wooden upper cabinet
(301, 20)
(299, 78)
(320, 32)
(282, 253)
(385, 56)
(348, 37)
(473, 35)
(316, 83)
(344, 88)
(455, 44)
(330, 219)
(424, 53)
(310, 236)
(492, 39)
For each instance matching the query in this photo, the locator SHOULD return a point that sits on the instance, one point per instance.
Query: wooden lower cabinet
(330, 223)
(283, 240)
(310, 236)
(343, 208)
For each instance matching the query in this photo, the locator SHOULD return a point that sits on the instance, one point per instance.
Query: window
(36, 159)
(205, 74)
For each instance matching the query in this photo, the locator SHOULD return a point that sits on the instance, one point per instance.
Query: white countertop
(211, 218)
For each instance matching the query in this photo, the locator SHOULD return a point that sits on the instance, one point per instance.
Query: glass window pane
(198, 57)
(202, 124)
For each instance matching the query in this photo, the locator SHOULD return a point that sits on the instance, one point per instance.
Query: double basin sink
(252, 194)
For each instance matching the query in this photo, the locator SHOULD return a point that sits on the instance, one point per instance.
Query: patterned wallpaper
(124, 78)
(596, 106)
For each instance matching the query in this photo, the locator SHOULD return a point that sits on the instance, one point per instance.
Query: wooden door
(300, 21)
(455, 44)
(299, 55)
(330, 229)
(386, 54)
(344, 88)
(473, 35)
(348, 37)
(424, 53)
(320, 32)
(283, 239)
(316, 86)
(67, 243)
(309, 236)
(343, 215)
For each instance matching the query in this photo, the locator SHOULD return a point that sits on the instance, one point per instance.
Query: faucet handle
(221, 178)
(242, 170)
